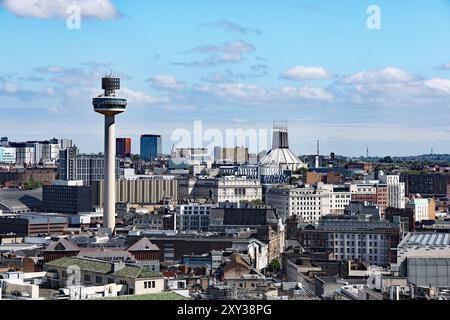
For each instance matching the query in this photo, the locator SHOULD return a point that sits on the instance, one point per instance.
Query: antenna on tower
(367, 152)
(316, 164)
(318, 147)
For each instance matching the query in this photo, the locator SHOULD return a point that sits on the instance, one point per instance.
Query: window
(98, 279)
(87, 277)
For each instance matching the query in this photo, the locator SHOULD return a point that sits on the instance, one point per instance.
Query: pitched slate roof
(143, 245)
(62, 245)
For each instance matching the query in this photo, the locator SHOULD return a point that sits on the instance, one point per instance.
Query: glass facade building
(151, 147)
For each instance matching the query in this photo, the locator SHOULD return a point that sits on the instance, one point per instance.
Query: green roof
(156, 296)
(98, 266)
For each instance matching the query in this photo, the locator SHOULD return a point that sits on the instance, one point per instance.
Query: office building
(123, 147)
(224, 189)
(33, 225)
(151, 147)
(364, 192)
(71, 197)
(309, 202)
(426, 184)
(395, 191)
(193, 217)
(424, 209)
(65, 144)
(367, 241)
(25, 153)
(84, 167)
(237, 155)
(149, 190)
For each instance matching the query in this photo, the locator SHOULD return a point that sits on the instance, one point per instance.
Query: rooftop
(99, 266)
(425, 239)
(156, 296)
(20, 200)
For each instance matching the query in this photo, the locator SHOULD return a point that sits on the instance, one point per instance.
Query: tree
(32, 184)
(387, 159)
(275, 265)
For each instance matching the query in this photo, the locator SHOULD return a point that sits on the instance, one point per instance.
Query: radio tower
(109, 105)
(318, 154)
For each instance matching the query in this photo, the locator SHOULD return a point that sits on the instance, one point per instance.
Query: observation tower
(109, 104)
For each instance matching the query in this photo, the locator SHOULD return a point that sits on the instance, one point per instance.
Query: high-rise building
(395, 191)
(151, 147)
(65, 144)
(109, 105)
(25, 153)
(123, 147)
(85, 167)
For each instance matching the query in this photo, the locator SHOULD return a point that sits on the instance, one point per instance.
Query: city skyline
(346, 85)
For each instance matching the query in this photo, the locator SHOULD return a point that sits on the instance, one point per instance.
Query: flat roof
(426, 239)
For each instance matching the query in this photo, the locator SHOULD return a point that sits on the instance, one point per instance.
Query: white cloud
(390, 74)
(438, 85)
(299, 73)
(239, 46)
(234, 90)
(166, 81)
(219, 54)
(394, 87)
(241, 92)
(49, 69)
(307, 93)
(46, 9)
(230, 26)
(10, 88)
(139, 97)
(445, 66)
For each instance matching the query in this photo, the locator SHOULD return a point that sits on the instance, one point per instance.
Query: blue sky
(232, 64)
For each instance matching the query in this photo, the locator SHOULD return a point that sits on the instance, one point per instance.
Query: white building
(395, 191)
(421, 208)
(309, 202)
(225, 189)
(340, 198)
(238, 189)
(25, 153)
(193, 217)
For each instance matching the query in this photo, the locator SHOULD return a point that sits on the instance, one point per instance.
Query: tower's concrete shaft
(109, 190)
